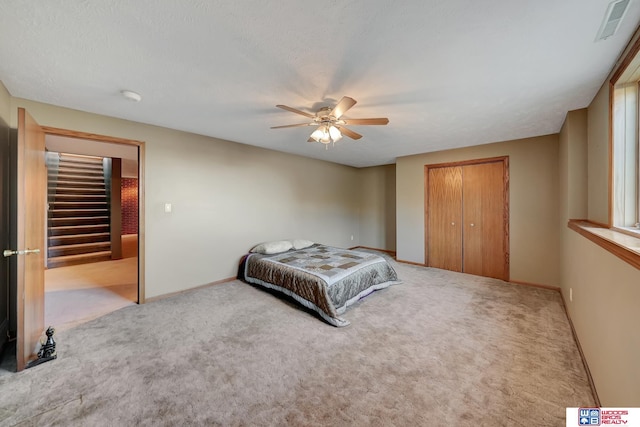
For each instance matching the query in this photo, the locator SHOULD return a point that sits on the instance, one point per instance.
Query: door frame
(505, 181)
(5, 233)
(141, 217)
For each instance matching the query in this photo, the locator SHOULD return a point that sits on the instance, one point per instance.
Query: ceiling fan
(331, 125)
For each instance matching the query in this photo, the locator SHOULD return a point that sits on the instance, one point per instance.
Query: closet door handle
(472, 225)
(453, 223)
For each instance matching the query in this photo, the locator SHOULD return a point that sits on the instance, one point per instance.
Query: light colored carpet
(442, 349)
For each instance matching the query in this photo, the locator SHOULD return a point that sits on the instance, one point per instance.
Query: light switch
(167, 207)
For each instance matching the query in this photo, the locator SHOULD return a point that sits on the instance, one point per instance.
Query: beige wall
(5, 104)
(598, 157)
(605, 314)
(378, 207)
(226, 197)
(533, 193)
(573, 167)
(606, 290)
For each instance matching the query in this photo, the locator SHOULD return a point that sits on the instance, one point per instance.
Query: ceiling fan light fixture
(326, 137)
(335, 133)
(326, 134)
(330, 125)
(318, 134)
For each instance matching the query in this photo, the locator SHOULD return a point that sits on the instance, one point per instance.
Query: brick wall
(129, 205)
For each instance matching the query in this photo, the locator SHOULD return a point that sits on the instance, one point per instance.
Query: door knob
(473, 225)
(453, 223)
(9, 252)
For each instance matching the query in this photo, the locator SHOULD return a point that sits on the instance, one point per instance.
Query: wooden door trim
(505, 161)
(469, 162)
(91, 136)
(507, 248)
(141, 168)
(20, 269)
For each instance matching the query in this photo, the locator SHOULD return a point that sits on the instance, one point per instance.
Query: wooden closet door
(444, 240)
(484, 231)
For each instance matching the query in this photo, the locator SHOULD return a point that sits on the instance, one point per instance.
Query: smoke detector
(131, 95)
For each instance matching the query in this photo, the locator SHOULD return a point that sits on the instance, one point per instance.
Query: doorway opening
(93, 267)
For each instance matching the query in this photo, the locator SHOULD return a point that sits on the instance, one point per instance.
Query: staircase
(78, 214)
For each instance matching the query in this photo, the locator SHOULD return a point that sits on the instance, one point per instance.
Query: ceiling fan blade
(292, 126)
(311, 140)
(293, 110)
(376, 121)
(343, 106)
(351, 134)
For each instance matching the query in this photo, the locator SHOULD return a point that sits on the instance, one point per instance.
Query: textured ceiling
(446, 73)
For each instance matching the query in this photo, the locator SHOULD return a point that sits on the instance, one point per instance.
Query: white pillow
(274, 247)
(301, 243)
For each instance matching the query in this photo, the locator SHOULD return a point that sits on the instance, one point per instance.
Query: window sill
(631, 231)
(622, 245)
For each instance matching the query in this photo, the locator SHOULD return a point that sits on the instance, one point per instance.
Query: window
(625, 148)
(620, 236)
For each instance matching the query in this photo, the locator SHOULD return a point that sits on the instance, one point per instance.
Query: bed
(322, 278)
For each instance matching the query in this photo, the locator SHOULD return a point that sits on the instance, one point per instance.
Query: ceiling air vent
(612, 19)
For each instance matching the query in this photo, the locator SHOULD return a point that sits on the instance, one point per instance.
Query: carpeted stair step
(78, 229)
(67, 189)
(70, 177)
(76, 158)
(79, 248)
(88, 220)
(80, 197)
(75, 174)
(86, 204)
(69, 213)
(74, 239)
(63, 261)
(64, 169)
(65, 164)
(56, 184)
(79, 157)
(66, 158)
